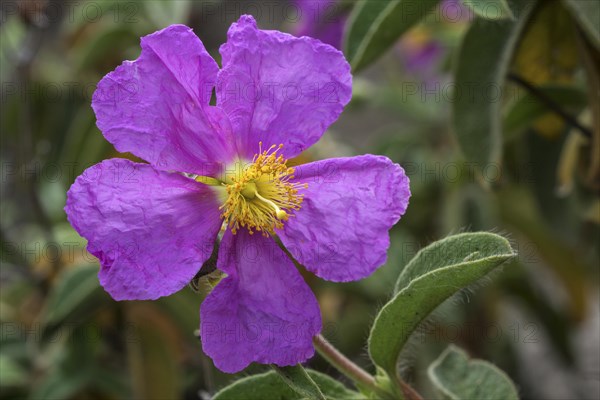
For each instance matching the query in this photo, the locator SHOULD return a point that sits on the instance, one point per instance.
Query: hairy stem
(347, 367)
(408, 391)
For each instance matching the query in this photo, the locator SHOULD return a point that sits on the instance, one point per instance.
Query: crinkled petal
(263, 311)
(156, 107)
(341, 231)
(151, 230)
(280, 89)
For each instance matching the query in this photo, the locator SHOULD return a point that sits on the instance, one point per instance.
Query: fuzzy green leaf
(165, 13)
(58, 385)
(77, 286)
(437, 272)
(152, 348)
(374, 26)
(11, 373)
(298, 379)
(483, 60)
(490, 9)
(270, 385)
(587, 13)
(523, 112)
(458, 377)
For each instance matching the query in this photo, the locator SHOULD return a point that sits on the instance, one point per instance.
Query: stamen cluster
(262, 196)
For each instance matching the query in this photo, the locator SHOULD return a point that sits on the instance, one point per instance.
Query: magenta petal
(156, 107)
(151, 230)
(341, 231)
(263, 311)
(280, 89)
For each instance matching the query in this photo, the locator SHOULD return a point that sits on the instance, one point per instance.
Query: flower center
(261, 196)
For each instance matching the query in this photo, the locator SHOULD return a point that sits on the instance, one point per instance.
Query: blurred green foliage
(62, 336)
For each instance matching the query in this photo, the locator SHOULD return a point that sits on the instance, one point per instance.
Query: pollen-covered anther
(262, 197)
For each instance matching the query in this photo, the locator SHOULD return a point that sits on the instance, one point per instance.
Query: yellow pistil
(262, 196)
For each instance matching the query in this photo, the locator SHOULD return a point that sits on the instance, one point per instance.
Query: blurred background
(63, 337)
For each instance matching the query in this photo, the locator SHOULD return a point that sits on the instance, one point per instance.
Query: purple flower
(152, 228)
(420, 58)
(421, 54)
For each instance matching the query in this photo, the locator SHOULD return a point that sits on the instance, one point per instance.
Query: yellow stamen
(278, 211)
(262, 196)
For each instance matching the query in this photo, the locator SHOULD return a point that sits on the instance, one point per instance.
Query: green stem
(347, 367)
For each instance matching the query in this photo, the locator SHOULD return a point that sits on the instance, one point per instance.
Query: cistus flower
(152, 226)
(421, 54)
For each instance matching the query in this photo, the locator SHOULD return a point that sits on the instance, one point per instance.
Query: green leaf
(109, 41)
(298, 379)
(77, 287)
(519, 209)
(72, 366)
(153, 353)
(587, 13)
(374, 26)
(270, 385)
(58, 385)
(11, 373)
(165, 13)
(523, 112)
(485, 53)
(437, 272)
(457, 377)
(547, 50)
(547, 54)
(113, 383)
(490, 9)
